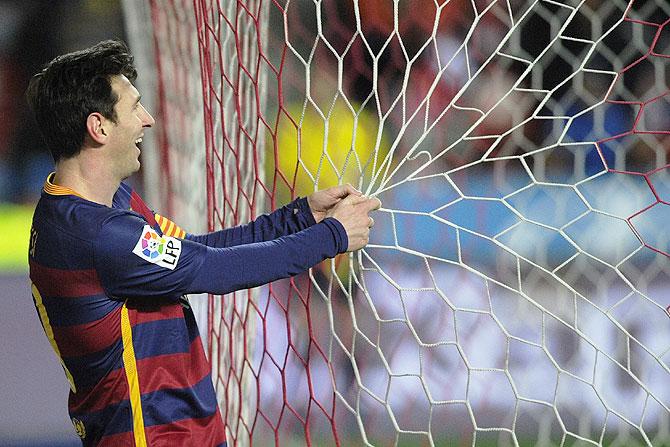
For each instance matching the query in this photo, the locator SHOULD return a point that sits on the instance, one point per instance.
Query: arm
(289, 219)
(170, 267)
(296, 216)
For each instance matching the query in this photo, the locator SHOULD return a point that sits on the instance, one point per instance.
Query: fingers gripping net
(515, 288)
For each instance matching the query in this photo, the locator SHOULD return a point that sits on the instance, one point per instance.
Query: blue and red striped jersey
(109, 284)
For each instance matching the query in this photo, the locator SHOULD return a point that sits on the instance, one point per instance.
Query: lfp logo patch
(159, 250)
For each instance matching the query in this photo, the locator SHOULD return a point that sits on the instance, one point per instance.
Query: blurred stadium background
(33, 393)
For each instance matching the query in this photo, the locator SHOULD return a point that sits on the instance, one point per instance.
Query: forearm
(225, 270)
(287, 220)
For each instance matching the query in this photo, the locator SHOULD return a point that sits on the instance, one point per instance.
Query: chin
(131, 171)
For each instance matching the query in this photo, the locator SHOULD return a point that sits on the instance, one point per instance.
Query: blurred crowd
(32, 32)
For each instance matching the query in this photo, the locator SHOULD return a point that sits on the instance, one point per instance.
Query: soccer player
(109, 276)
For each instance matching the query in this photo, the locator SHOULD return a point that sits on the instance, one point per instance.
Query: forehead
(124, 89)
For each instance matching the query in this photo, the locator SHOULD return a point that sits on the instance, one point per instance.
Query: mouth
(138, 141)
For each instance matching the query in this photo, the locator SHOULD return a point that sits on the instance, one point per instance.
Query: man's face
(127, 133)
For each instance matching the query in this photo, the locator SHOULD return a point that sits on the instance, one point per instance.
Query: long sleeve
(284, 221)
(254, 264)
(134, 261)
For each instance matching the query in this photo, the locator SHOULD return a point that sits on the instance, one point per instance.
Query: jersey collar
(56, 190)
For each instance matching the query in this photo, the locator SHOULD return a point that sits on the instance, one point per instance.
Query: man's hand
(353, 213)
(321, 202)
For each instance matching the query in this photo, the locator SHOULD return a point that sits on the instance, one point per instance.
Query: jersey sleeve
(134, 261)
(284, 221)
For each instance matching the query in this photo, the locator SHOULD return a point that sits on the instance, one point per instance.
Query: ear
(97, 127)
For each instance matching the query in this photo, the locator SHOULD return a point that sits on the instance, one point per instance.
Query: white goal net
(515, 289)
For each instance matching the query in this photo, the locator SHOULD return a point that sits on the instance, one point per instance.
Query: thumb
(345, 190)
(351, 190)
(374, 203)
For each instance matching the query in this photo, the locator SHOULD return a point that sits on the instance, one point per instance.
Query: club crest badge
(79, 428)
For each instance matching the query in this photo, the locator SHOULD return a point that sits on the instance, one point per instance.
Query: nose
(150, 121)
(147, 119)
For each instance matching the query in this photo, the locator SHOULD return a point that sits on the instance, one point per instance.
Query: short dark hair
(73, 86)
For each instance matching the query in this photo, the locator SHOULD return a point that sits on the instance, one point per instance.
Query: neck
(92, 182)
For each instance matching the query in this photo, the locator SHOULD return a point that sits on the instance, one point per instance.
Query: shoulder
(123, 233)
(73, 218)
(65, 230)
(73, 215)
(120, 222)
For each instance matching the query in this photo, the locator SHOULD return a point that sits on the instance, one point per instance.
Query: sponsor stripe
(88, 338)
(65, 283)
(48, 330)
(130, 367)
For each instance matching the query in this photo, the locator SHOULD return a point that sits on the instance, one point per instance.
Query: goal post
(514, 291)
